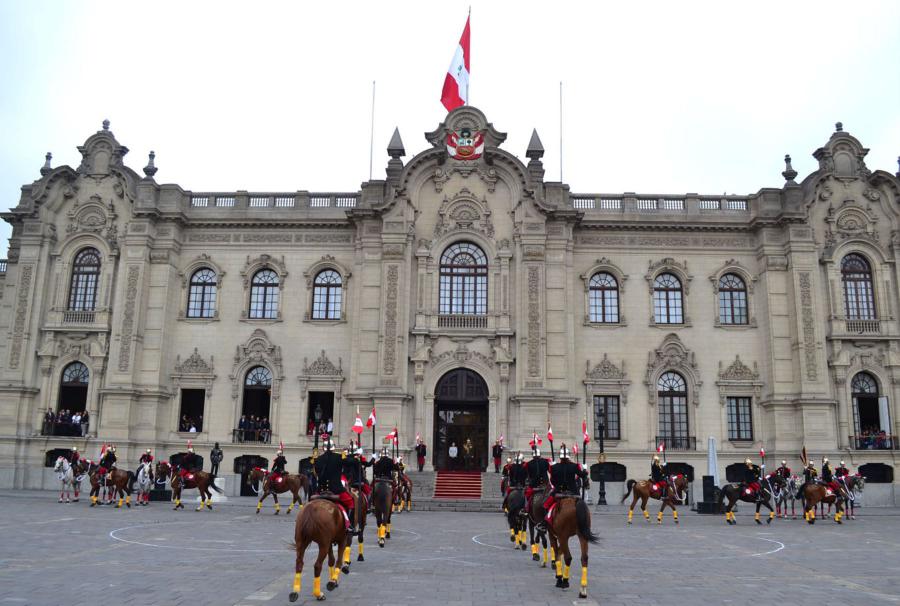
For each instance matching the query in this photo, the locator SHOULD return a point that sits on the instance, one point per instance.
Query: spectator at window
(85, 423)
(330, 427)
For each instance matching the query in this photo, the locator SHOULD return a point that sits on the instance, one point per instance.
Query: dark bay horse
(815, 494)
(403, 494)
(855, 485)
(320, 522)
(514, 505)
(645, 489)
(382, 504)
(359, 516)
(118, 484)
(200, 480)
(570, 518)
(738, 492)
(289, 482)
(535, 534)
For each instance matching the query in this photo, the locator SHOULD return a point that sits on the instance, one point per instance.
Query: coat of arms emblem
(465, 144)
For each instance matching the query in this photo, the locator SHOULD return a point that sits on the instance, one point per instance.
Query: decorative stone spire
(151, 169)
(45, 169)
(106, 125)
(789, 173)
(395, 147)
(838, 127)
(535, 149)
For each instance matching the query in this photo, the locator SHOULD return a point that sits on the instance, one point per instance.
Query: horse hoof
(758, 522)
(320, 598)
(769, 521)
(565, 583)
(543, 564)
(276, 513)
(345, 569)
(388, 535)
(74, 500)
(582, 594)
(360, 558)
(209, 507)
(535, 557)
(381, 543)
(629, 522)
(294, 596)
(512, 539)
(331, 585)
(60, 501)
(559, 582)
(524, 547)
(257, 512)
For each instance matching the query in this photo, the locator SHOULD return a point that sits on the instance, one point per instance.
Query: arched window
(327, 295)
(667, 303)
(732, 300)
(673, 416)
(463, 287)
(603, 298)
(871, 415)
(264, 295)
(85, 274)
(259, 376)
(202, 296)
(856, 275)
(73, 388)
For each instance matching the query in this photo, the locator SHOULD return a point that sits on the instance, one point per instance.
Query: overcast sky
(668, 97)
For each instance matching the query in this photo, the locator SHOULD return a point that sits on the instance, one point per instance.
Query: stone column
(428, 433)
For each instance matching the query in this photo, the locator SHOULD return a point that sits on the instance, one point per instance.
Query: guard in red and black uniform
(538, 470)
(384, 467)
(147, 457)
(278, 465)
(353, 469)
(841, 473)
(190, 463)
(517, 474)
(329, 467)
(74, 457)
(659, 477)
(828, 476)
(107, 463)
(751, 478)
(566, 478)
(784, 471)
(497, 454)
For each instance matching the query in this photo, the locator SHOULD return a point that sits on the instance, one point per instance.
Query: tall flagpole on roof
(468, 22)
(560, 133)
(372, 132)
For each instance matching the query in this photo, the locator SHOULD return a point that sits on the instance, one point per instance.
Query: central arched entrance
(461, 414)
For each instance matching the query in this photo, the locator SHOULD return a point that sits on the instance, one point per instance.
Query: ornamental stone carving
(194, 364)
(605, 370)
(322, 366)
(257, 350)
(738, 371)
(129, 317)
(15, 351)
(390, 319)
(264, 260)
(464, 212)
(673, 355)
(94, 217)
(605, 379)
(738, 380)
(669, 265)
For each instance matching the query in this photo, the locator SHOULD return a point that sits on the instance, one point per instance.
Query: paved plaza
(72, 554)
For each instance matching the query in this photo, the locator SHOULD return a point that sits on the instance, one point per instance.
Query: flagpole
(469, 23)
(372, 132)
(560, 132)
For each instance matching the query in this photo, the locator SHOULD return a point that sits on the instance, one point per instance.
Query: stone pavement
(72, 554)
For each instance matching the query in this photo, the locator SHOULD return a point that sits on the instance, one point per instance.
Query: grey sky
(668, 97)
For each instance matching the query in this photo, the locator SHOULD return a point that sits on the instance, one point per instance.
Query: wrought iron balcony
(462, 321)
(678, 442)
(878, 441)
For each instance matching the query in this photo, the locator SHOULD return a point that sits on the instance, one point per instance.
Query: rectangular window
(673, 421)
(191, 413)
(606, 411)
(324, 401)
(740, 425)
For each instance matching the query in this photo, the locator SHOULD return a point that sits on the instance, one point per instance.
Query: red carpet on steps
(457, 485)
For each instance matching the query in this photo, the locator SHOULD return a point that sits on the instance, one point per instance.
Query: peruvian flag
(575, 450)
(456, 82)
(396, 436)
(370, 422)
(549, 433)
(535, 440)
(661, 447)
(584, 432)
(392, 436)
(762, 453)
(357, 425)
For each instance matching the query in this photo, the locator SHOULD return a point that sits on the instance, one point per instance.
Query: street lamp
(601, 477)
(317, 417)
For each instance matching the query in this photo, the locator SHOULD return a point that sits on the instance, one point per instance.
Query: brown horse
(200, 480)
(572, 517)
(117, 484)
(359, 516)
(739, 492)
(677, 493)
(814, 494)
(289, 482)
(320, 522)
(535, 533)
(403, 493)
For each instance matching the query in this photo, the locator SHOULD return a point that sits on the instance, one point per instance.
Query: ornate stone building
(466, 298)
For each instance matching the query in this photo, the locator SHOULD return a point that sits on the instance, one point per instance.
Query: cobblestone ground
(72, 554)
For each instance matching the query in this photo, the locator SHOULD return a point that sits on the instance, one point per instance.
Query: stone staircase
(424, 500)
(451, 485)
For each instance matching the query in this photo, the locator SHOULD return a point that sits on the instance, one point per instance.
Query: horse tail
(630, 485)
(722, 495)
(130, 480)
(583, 522)
(513, 506)
(212, 483)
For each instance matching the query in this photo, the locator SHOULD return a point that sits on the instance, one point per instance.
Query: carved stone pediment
(672, 355)
(464, 212)
(851, 220)
(93, 216)
(194, 364)
(322, 366)
(258, 350)
(738, 371)
(606, 379)
(605, 370)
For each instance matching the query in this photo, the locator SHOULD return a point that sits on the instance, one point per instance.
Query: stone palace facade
(463, 296)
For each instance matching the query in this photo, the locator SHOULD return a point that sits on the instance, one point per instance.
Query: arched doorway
(73, 388)
(871, 417)
(460, 414)
(255, 423)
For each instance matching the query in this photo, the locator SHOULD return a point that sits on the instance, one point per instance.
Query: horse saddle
(327, 496)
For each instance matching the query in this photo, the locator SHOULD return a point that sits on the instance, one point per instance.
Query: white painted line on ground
(221, 550)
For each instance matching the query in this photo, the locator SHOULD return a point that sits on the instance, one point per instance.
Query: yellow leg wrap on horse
(552, 554)
(381, 531)
(259, 506)
(330, 573)
(524, 537)
(534, 549)
(771, 515)
(336, 574)
(317, 586)
(675, 514)
(659, 517)
(546, 554)
(128, 500)
(630, 514)
(347, 555)
(756, 517)
(566, 572)
(512, 532)
(296, 582)
(584, 576)
(120, 502)
(646, 514)
(360, 548)
(558, 568)
(94, 500)
(389, 529)
(812, 514)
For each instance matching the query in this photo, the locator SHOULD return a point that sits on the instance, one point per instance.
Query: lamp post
(317, 417)
(601, 477)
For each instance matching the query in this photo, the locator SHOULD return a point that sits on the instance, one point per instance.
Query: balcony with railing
(678, 442)
(211, 201)
(462, 321)
(80, 319)
(724, 206)
(874, 441)
(863, 327)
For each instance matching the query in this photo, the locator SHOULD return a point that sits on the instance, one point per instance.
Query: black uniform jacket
(518, 474)
(537, 471)
(278, 464)
(566, 477)
(384, 467)
(328, 469)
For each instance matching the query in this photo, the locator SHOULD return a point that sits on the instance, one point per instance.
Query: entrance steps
(457, 485)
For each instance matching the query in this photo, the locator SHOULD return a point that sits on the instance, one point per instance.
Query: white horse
(144, 484)
(785, 494)
(66, 478)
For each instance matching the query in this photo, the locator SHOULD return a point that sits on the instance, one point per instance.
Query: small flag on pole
(418, 438)
(357, 424)
(500, 439)
(575, 450)
(762, 453)
(280, 444)
(549, 432)
(456, 82)
(396, 437)
(535, 440)
(661, 447)
(370, 422)
(584, 432)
